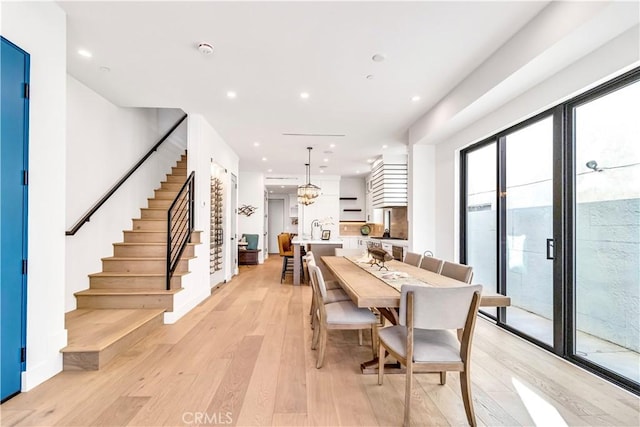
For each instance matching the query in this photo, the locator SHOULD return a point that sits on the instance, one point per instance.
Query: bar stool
(286, 252)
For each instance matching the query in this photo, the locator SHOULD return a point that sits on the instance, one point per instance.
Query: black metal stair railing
(179, 225)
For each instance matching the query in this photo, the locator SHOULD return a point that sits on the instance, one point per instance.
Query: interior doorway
(234, 224)
(276, 223)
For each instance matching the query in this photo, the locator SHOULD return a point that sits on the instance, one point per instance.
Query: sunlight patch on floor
(542, 412)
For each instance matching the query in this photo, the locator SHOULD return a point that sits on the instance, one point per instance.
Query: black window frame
(564, 287)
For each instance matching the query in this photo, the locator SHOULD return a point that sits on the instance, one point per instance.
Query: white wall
(251, 189)
(562, 33)
(352, 187)
(421, 208)
(205, 146)
(103, 142)
(40, 29)
(611, 59)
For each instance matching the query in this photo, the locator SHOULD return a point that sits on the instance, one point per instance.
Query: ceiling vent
(314, 134)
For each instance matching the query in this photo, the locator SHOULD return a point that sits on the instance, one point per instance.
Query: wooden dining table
(368, 291)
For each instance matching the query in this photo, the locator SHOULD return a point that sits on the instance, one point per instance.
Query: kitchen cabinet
(373, 215)
(362, 242)
(293, 206)
(349, 242)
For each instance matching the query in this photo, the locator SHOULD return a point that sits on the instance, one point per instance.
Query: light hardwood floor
(243, 357)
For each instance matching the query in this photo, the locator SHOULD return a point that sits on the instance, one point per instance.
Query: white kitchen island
(318, 247)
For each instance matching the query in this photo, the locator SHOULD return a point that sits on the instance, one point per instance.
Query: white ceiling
(270, 52)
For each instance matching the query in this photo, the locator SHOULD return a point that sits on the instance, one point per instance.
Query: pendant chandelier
(308, 192)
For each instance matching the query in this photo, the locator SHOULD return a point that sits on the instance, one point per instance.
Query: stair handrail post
(192, 208)
(168, 260)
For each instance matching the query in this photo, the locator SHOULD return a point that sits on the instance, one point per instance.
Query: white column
(421, 198)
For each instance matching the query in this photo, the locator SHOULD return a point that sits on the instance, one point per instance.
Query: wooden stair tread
(95, 330)
(142, 258)
(145, 243)
(126, 291)
(117, 274)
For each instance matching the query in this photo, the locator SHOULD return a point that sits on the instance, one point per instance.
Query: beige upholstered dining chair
(331, 284)
(332, 295)
(336, 315)
(431, 264)
(412, 258)
(461, 272)
(425, 341)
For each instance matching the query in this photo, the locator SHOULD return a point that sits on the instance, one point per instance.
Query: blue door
(14, 71)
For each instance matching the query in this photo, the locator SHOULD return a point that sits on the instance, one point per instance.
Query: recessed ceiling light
(357, 171)
(415, 98)
(231, 94)
(378, 57)
(269, 170)
(85, 53)
(256, 144)
(304, 95)
(264, 159)
(385, 146)
(325, 159)
(321, 170)
(332, 145)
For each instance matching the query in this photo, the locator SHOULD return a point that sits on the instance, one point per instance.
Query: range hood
(389, 182)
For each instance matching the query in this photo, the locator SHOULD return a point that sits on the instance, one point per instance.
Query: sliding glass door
(527, 202)
(481, 219)
(607, 233)
(550, 216)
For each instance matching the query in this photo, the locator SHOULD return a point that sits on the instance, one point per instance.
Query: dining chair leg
(465, 387)
(316, 334)
(407, 394)
(381, 351)
(374, 340)
(443, 377)
(313, 309)
(359, 336)
(323, 346)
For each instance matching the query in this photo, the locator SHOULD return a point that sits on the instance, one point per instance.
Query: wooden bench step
(96, 336)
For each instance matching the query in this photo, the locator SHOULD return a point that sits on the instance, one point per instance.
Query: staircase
(127, 299)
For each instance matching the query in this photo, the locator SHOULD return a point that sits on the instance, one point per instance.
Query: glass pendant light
(308, 192)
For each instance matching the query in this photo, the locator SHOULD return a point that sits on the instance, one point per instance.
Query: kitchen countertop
(298, 241)
(396, 242)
